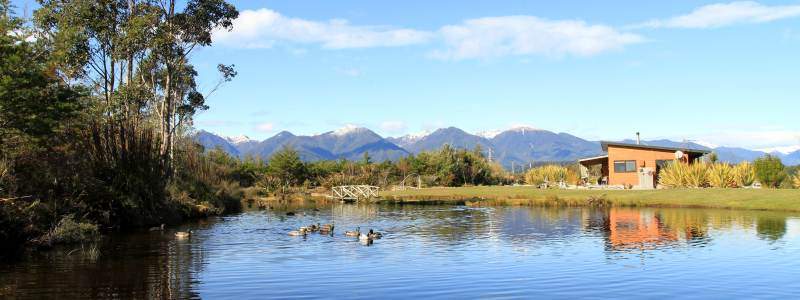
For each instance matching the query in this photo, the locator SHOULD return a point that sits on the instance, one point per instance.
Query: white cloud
(393, 126)
(263, 28)
(265, 127)
(528, 35)
(761, 138)
(725, 14)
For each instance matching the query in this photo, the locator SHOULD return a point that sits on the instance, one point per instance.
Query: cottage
(636, 165)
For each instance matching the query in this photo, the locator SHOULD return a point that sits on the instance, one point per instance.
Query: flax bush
(744, 174)
(796, 181)
(683, 175)
(673, 175)
(550, 174)
(720, 175)
(697, 175)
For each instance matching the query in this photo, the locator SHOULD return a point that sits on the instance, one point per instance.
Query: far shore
(751, 199)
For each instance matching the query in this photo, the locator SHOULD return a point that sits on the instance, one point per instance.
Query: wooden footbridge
(354, 192)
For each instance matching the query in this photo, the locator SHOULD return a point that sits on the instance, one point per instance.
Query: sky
(720, 73)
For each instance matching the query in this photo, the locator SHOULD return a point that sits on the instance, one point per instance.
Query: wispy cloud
(265, 127)
(528, 35)
(473, 38)
(726, 14)
(263, 28)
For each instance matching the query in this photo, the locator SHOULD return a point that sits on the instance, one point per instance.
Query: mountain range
(515, 146)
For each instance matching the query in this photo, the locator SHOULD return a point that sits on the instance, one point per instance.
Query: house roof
(605, 144)
(593, 158)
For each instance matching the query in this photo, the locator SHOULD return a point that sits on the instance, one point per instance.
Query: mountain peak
(349, 129)
(522, 128)
(238, 139)
(781, 150)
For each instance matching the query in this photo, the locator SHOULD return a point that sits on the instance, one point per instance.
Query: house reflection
(646, 229)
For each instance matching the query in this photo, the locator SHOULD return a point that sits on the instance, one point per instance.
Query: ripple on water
(439, 252)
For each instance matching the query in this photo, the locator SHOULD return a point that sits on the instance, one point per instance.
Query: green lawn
(758, 199)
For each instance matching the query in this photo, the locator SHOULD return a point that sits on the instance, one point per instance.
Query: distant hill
(452, 136)
(347, 143)
(524, 145)
(213, 141)
(520, 145)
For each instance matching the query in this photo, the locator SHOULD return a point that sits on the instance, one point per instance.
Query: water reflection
(423, 246)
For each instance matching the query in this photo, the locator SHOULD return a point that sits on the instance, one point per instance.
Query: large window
(624, 166)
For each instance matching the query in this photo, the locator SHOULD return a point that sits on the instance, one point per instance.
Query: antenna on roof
(638, 139)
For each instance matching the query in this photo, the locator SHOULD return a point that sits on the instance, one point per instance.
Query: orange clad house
(635, 164)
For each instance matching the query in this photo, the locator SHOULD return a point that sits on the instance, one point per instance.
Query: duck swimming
(374, 235)
(303, 231)
(326, 228)
(353, 233)
(183, 234)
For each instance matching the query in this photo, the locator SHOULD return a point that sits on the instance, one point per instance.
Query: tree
(769, 170)
(287, 167)
(33, 103)
(134, 53)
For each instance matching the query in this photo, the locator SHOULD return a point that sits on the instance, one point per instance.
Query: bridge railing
(354, 192)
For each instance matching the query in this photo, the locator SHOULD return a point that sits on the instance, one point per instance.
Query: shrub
(796, 181)
(744, 174)
(721, 175)
(697, 175)
(12, 228)
(769, 170)
(69, 231)
(681, 175)
(673, 175)
(550, 174)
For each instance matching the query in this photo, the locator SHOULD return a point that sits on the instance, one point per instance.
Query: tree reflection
(770, 228)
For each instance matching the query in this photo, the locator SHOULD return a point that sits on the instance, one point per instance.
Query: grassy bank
(756, 199)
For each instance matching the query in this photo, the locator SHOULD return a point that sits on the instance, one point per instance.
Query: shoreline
(745, 199)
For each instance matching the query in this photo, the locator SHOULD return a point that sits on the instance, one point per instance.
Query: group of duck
(328, 229)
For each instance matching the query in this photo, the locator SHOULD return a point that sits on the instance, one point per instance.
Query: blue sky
(725, 73)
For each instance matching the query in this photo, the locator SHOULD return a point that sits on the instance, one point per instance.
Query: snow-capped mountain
(238, 139)
(518, 145)
(408, 139)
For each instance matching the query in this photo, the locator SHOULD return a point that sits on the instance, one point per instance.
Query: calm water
(446, 252)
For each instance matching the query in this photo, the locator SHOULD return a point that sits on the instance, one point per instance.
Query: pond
(447, 252)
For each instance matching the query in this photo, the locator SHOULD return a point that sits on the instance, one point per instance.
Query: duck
(183, 234)
(364, 238)
(313, 227)
(327, 228)
(159, 228)
(302, 231)
(353, 233)
(291, 213)
(374, 235)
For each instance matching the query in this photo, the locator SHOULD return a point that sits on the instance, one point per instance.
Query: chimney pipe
(638, 139)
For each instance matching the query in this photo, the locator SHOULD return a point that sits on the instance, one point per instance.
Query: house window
(624, 166)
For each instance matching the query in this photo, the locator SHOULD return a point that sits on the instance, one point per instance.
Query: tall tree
(134, 53)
